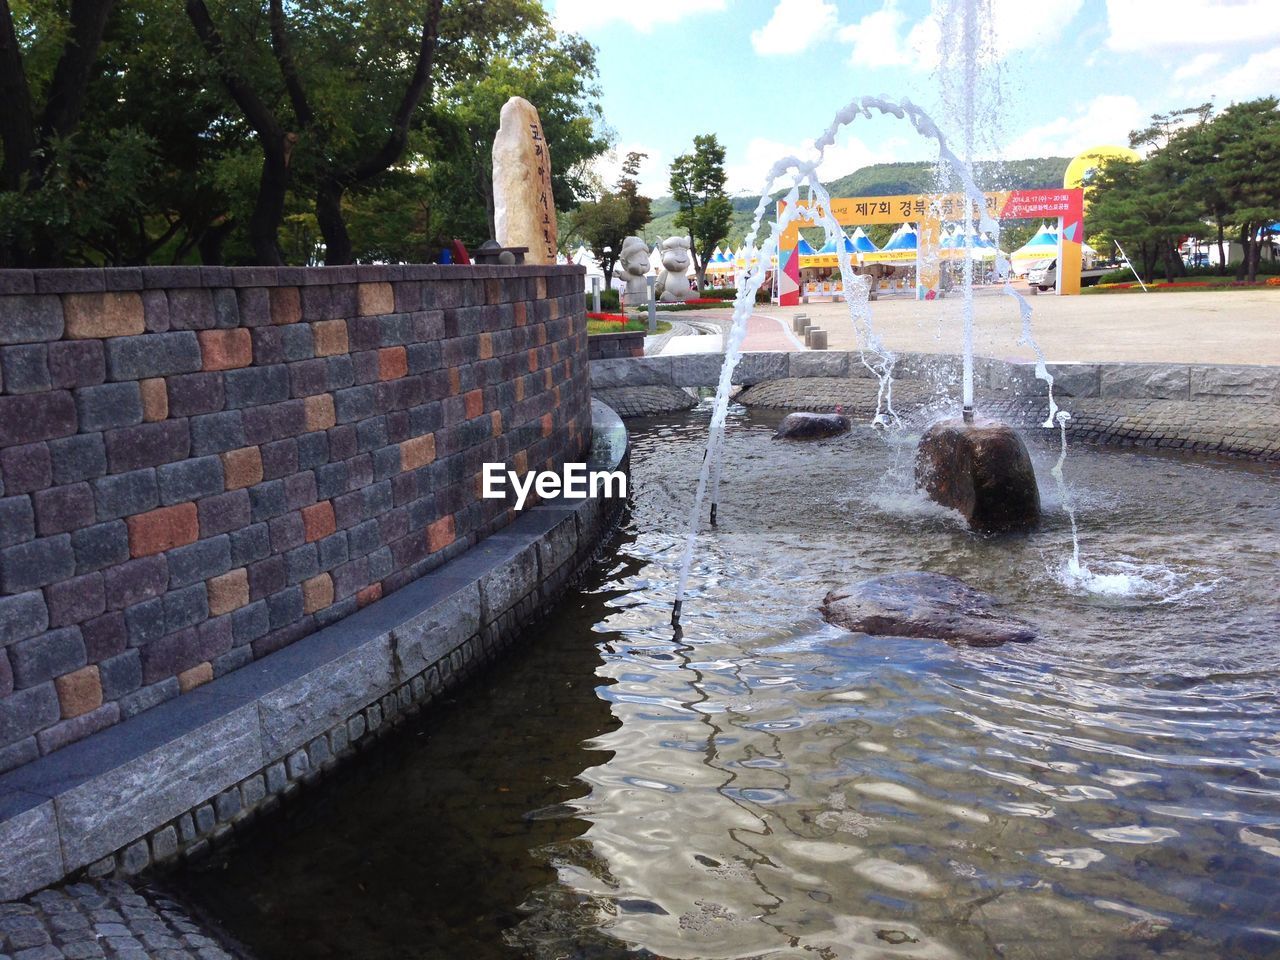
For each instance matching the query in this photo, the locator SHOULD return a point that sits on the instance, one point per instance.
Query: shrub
(608, 300)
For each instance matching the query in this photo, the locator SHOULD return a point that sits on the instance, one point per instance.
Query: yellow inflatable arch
(1090, 160)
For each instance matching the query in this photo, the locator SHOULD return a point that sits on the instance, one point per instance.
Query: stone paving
(1229, 427)
(103, 919)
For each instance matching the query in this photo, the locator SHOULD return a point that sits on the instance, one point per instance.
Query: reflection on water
(770, 786)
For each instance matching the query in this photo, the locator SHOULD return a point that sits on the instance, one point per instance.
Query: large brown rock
(811, 426)
(981, 469)
(524, 210)
(925, 605)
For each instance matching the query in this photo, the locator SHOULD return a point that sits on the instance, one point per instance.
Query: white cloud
(585, 16)
(1256, 77)
(795, 26)
(746, 171)
(1154, 24)
(880, 40)
(1017, 26)
(1198, 65)
(1105, 120)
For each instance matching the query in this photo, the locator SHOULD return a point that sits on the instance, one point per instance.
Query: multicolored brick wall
(203, 465)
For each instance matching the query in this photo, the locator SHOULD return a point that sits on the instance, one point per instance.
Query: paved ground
(765, 331)
(102, 919)
(1232, 327)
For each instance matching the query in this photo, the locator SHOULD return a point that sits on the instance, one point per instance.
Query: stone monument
(524, 210)
(673, 281)
(631, 269)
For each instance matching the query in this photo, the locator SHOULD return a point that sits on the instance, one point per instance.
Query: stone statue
(632, 265)
(524, 210)
(673, 281)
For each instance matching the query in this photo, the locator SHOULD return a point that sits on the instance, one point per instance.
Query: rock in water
(928, 605)
(524, 211)
(981, 469)
(811, 426)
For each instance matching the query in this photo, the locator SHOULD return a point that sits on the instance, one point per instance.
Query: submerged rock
(812, 426)
(927, 605)
(981, 469)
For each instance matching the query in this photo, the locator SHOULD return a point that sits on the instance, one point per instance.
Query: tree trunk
(211, 241)
(27, 143)
(337, 242)
(17, 125)
(697, 262)
(1253, 253)
(1222, 251)
(268, 207)
(1243, 268)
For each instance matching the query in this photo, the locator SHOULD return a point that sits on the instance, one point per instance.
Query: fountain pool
(770, 786)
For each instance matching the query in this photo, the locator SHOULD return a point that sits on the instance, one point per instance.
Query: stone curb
(174, 778)
(1125, 381)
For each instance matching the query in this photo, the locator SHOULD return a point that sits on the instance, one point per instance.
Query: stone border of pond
(174, 780)
(1230, 410)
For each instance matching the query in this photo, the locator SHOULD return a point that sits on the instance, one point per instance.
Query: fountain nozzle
(675, 614)
(968, 413)
(713, 514)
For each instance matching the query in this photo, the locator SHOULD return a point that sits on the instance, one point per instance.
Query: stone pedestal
(981, 469)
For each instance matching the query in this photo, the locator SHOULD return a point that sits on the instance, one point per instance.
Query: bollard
(817, 339)
(799, 322)
(808, 334)
(653, 305)
(595, 294)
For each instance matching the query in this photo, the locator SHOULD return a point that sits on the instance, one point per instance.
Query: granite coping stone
(99, 279)
(78, 804)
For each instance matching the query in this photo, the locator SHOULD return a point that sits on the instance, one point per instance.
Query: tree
(1245, 140)
(248, 131)
(604, 223)
(34, 137)
(697, 185)
(348, 140)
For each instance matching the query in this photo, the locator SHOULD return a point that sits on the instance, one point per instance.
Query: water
(769, 786)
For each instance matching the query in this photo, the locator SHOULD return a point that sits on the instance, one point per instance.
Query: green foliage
(697, 184)
(1202, 169)
(608, 300)
(164, 167)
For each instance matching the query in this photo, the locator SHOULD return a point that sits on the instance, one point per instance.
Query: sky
(767, 76)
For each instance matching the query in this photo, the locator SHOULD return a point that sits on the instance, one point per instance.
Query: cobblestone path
(102, 919)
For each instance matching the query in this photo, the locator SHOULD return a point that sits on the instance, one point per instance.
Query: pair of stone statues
(633, 265)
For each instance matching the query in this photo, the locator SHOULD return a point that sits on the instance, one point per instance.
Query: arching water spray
(878, 359)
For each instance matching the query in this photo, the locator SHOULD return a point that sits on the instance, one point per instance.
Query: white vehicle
(1044, 274)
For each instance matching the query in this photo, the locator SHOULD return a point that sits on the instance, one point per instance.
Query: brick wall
(607, 346)
(203, 465)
